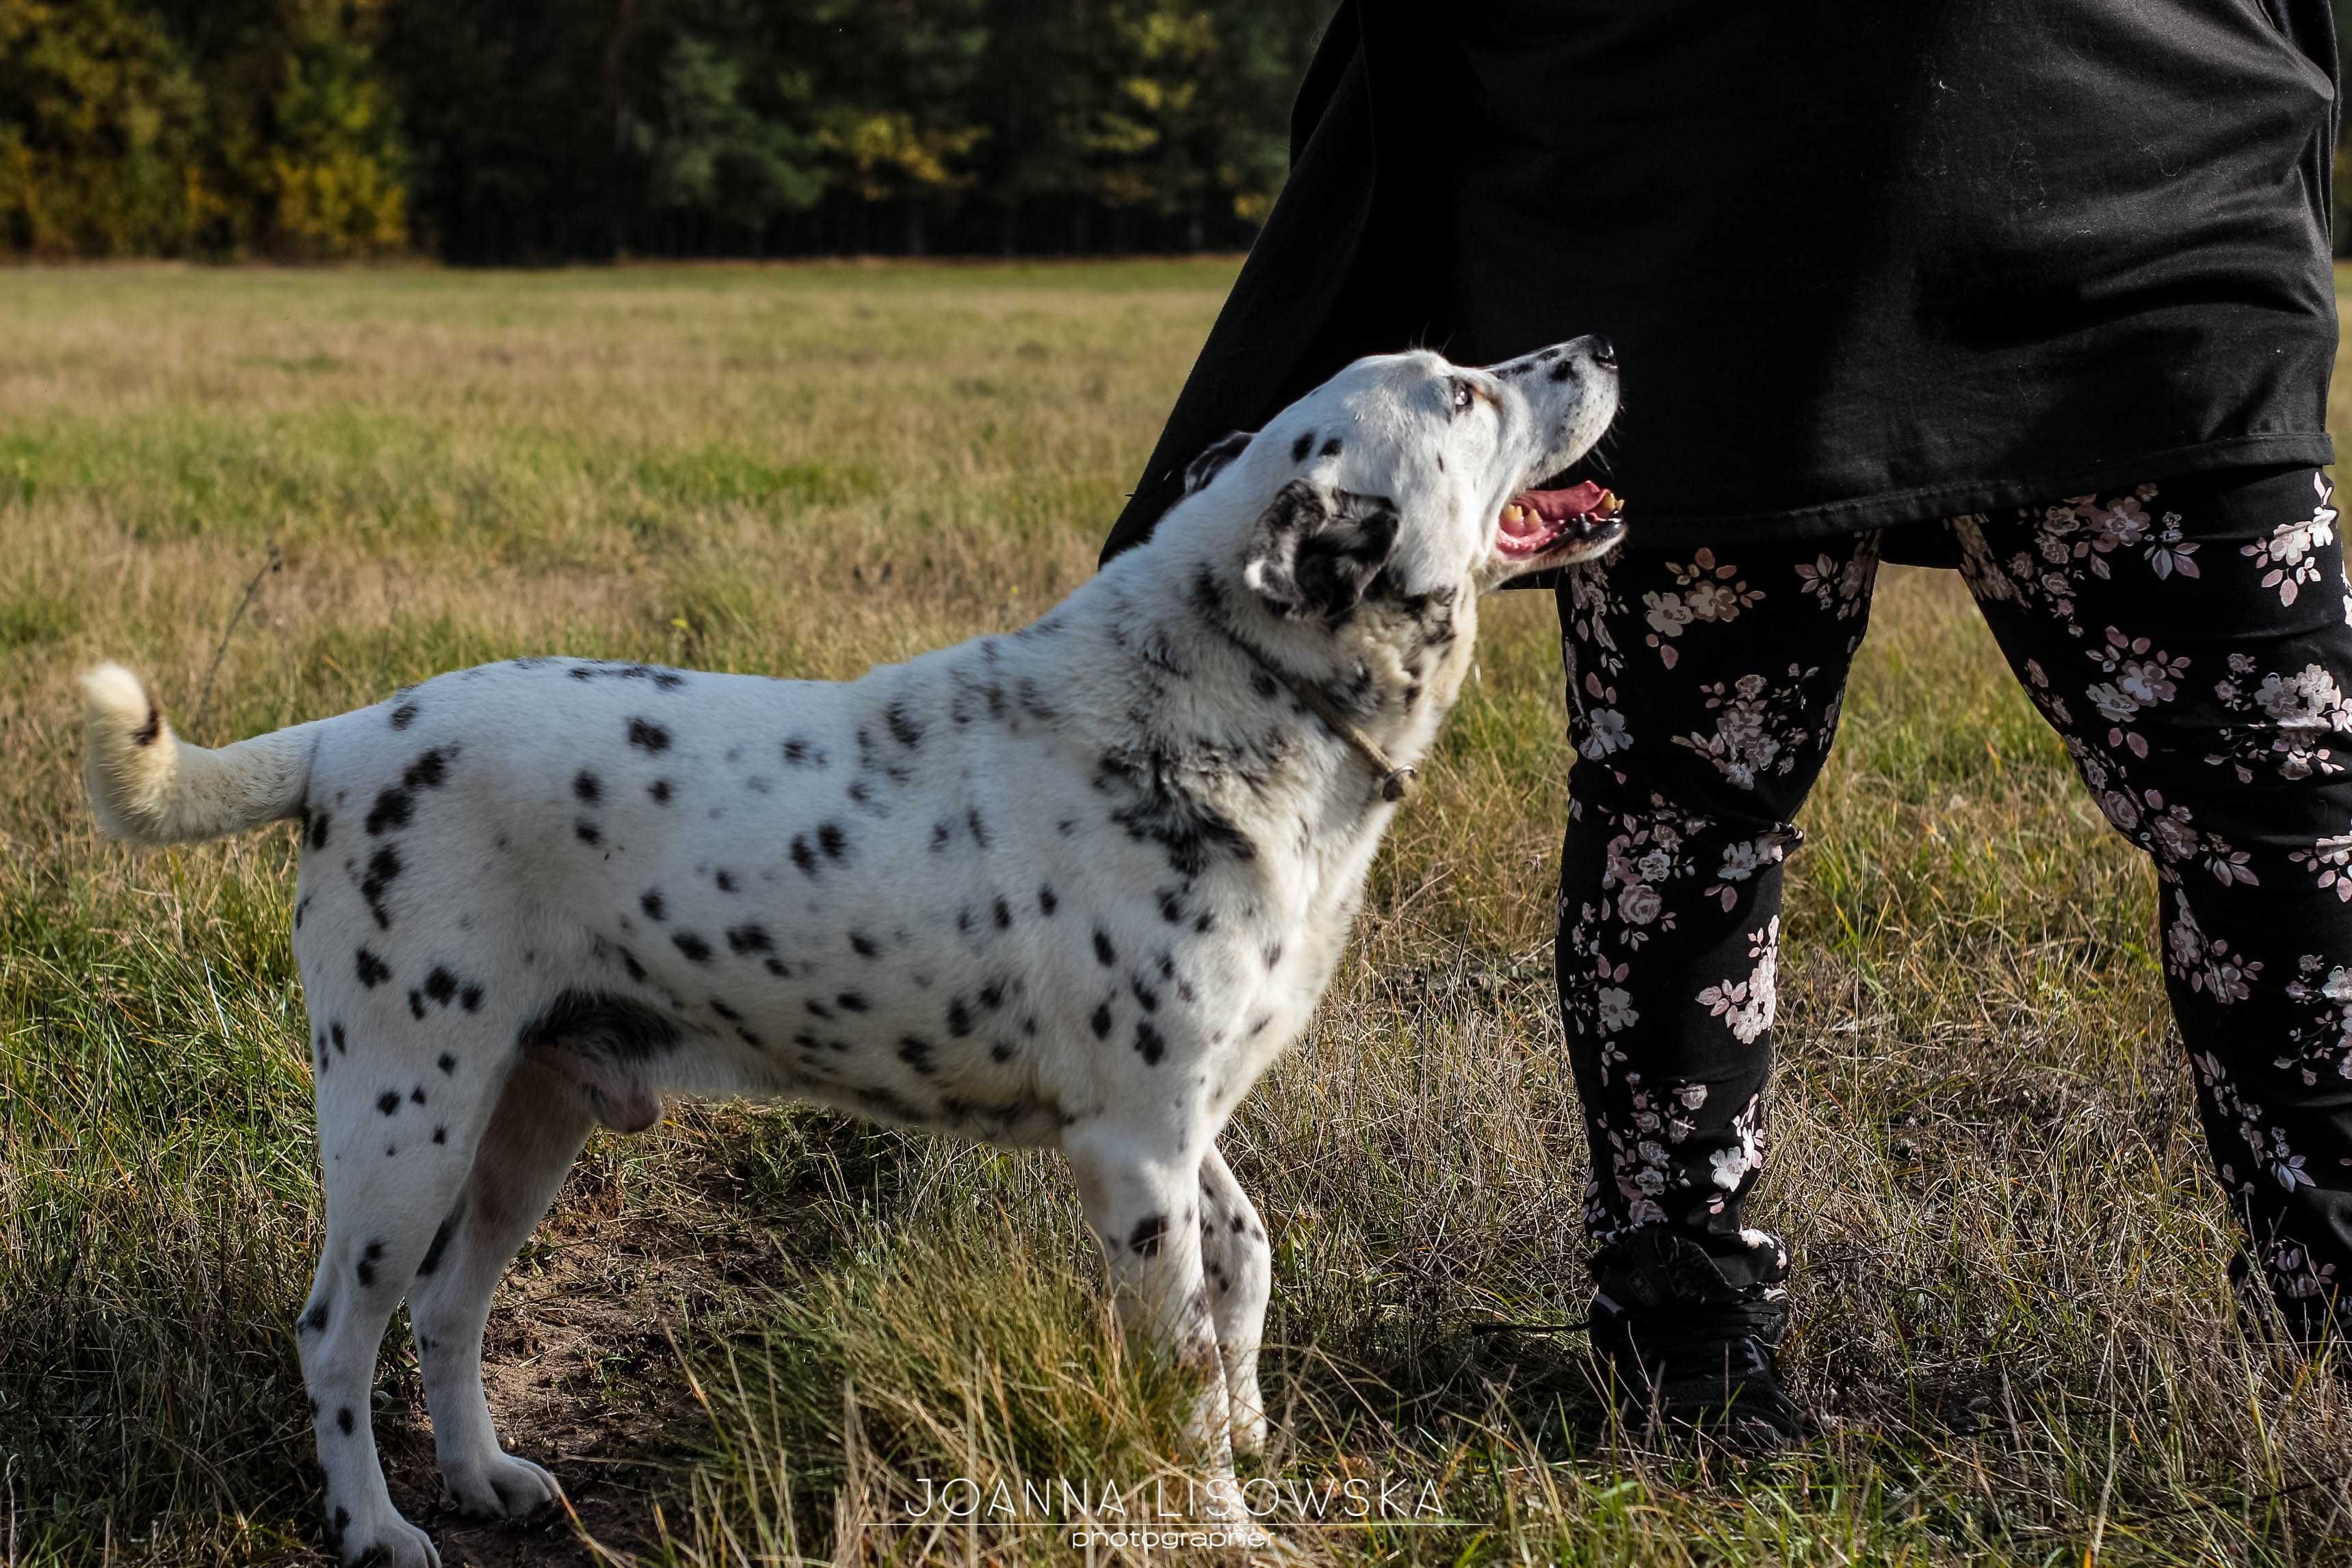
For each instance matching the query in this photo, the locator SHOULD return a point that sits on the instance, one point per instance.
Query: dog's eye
(1459, 395)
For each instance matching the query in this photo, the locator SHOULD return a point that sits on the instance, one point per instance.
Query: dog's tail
(149, 788)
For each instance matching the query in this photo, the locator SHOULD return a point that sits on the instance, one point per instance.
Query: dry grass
(754, 1332)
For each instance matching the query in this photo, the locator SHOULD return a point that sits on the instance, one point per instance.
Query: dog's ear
(1213, 460)
(1314, 555)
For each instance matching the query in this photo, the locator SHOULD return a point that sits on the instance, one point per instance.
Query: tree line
(527, 130)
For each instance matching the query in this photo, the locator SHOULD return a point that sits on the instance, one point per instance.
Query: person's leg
(1703, 693)
(2189, 641)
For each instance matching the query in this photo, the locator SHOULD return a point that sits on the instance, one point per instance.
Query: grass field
(754, 1332)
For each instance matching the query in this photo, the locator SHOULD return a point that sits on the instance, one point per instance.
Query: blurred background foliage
(524, 131)
(543, 131)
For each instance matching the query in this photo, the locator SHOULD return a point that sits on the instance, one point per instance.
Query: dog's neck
(1168, 653)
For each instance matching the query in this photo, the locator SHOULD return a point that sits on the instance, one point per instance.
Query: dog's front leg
(1240, 1267)
(1142, 1198)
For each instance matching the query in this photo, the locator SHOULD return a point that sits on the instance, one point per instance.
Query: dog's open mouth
(1544, 522)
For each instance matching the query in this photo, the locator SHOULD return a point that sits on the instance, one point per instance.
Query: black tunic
(1865, 261)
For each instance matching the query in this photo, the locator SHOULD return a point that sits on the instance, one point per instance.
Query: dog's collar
(1398, 782)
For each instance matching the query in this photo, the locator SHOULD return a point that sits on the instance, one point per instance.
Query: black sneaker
(1727, 1390)
(1684, 1350)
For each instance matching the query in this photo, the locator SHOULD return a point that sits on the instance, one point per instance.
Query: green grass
(750, 1334)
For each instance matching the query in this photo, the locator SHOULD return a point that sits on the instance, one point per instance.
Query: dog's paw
(395, 1543)
(505, 1488)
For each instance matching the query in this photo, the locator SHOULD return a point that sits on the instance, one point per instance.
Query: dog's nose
(1604, 353)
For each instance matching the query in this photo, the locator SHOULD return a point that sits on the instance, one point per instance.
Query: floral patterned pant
(2191, 642)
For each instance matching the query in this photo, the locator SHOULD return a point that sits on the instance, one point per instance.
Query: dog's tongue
(1532, 520)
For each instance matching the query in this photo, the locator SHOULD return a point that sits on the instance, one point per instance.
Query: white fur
(1076, 886)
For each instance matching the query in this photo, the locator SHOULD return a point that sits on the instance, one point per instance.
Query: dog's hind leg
(530, 1142)
(1239, 1268)
(1142, 1203)
(397, 1135)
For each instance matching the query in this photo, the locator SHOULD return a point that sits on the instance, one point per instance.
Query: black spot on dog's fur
(432, 1259)
(147, 733)
(585, 831)
(651, 736)
(745, 940)
(851, 1000)
(1104, 954)
(470, 998)
(832, 840)
(1300, 447)
(403, 716)
(593, 1023)
(365, 1268)
(818, 1009)
(384, 866)
(586, 785)
(802, 855)
(959, 1018)
(864, 946)
(1148, 1232)
(651, 903)
(1100, 1022)
(693, 946)
(335, 1032)
(416, 1006)
(979, 828)
(441, 985)
(1046, 901)
(1145, 996)
(726, 880)
(393, 808)
(724, 1010)
(318, 829)
(916, 1052)
(343, 1422)
(1149, 1044)
(903, 729)
(373, 972)
(1002, 914)
(315, 1320)
(447, 1063)
(1331, 448)
(388, 1102)
(659, 790)
(429, 771)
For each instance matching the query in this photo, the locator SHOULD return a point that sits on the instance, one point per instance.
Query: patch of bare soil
(582, 1379)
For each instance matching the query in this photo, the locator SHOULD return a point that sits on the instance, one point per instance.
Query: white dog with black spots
(1073, 886)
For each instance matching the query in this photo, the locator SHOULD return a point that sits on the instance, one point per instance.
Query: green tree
(101, 133)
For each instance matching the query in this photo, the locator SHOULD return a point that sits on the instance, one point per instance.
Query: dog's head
(1426, 473)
